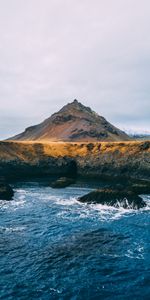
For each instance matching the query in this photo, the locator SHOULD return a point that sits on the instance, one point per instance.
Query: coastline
(99, 159)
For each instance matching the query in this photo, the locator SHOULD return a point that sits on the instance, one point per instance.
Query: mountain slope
(74, 122)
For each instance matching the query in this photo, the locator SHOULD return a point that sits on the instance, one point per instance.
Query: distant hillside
(74, 122)
(140, 136)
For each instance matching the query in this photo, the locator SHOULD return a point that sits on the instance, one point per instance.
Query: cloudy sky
(52, 51)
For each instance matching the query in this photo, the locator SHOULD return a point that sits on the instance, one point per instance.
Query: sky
(53, 51)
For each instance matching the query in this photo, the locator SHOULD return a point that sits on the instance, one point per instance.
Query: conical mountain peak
(75, 106)
(75, 101)
(73, 122)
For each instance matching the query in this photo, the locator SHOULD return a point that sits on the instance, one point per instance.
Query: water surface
(53, 247)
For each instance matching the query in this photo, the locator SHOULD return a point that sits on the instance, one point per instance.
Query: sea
(54, 247)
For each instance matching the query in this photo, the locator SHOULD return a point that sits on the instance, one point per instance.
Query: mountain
(141, 137)
(74, 122)
(138, 134)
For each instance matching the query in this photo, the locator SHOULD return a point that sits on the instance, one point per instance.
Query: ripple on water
(10, 229)
(54, 247)
(104, 212)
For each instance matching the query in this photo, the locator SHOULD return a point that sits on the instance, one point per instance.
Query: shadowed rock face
(126, 199)
(74, 122)
(6, 192)
(113, 161)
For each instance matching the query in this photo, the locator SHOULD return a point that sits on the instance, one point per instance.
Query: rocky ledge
(126, 199)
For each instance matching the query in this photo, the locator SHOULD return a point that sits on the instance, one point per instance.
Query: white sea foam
(82, 210)
(18, 201)
(147, 200)
(14, 204)
(55, 290)
(104, 211)
(67, 202)
(10, 229)
(136, 253)
(107, 213)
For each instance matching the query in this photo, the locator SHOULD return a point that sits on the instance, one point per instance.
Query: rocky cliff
(110, 160)
(74, 122)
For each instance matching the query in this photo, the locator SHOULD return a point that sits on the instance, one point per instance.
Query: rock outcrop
(74, 122)
(126, 199)
(140, 187)
(62, 182)
(6, 192)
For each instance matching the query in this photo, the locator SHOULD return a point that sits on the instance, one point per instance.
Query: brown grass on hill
(30, 150)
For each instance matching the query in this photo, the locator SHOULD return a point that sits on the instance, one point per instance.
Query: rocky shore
(110, 160)
(113, 197)
(123, 166)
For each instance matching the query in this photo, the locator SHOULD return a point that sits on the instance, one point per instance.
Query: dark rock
(6, 192)
(116, 198)
(90, 146)
(62, 182)
(145, 145)
(114, 186)
(141, 188)
(119, 187)
(59, 119)
(2, 179)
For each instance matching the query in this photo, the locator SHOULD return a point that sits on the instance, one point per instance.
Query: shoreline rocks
(62, 182)
(116, 198)
(6, 192)
(140, 188)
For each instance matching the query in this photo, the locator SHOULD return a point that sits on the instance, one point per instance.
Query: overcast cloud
(52, 51)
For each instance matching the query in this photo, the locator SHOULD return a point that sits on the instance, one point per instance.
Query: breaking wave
(55, 247)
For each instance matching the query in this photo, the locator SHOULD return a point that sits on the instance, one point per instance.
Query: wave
(137, 252)
(10, 229)
(71, 207)
(19, 200)
(104, 212)
(71, 201)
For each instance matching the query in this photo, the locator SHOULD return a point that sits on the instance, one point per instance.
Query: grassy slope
(28, 151)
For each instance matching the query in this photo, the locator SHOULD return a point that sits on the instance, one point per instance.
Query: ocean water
(53, 247)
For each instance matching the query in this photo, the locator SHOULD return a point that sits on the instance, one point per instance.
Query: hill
(74, 122)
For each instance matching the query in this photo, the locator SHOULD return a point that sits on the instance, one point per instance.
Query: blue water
(53, 247)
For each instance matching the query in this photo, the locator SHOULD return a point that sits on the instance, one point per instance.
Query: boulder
(6, 192)
(117, 198)
(62, 182)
